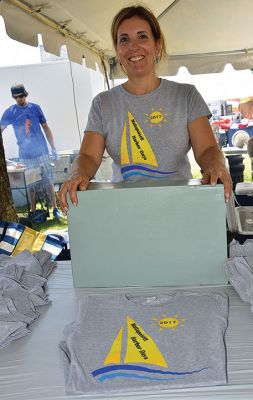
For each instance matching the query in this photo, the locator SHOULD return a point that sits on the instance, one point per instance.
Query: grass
(248, 168)
(247, 175)
(50, 223)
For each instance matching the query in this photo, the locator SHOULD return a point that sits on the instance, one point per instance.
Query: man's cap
(18, 89)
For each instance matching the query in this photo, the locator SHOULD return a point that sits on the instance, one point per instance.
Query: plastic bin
(244, 216)
(240, 220)
(244, 193)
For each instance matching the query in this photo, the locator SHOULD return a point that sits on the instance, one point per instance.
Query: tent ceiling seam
(172, 5)
(213, 54)
(36, 13)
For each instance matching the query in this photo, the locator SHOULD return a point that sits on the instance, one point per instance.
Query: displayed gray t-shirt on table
(147, 135)
(124, 343)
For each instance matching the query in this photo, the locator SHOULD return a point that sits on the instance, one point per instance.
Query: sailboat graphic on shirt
(142, 358)
(140, 347)
(136, 152)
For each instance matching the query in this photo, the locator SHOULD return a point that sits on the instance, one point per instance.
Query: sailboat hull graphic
(140, 349)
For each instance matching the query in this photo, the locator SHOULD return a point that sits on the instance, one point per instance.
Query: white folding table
(31, 368)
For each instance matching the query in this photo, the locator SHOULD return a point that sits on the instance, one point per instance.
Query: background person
(246, 107)
(148, 124)
(27, 119)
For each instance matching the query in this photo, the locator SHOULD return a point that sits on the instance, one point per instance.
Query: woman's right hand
(71, 186)
(84, 166)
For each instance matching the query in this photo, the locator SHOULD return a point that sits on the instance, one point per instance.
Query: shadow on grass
(50, 223)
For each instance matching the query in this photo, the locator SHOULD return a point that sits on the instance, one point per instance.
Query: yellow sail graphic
(123, 149)
(140, 147)
(113, 356)
(140, 346)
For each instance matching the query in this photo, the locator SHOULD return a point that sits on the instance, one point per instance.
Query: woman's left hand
(215, 173)
(209, 156)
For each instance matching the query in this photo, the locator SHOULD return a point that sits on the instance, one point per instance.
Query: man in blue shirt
(27, 119)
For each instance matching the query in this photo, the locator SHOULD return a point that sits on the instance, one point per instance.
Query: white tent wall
(64, 91)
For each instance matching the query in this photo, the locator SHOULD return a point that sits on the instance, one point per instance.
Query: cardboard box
(149, 234)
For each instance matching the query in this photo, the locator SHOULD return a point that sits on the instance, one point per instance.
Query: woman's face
(136, 47)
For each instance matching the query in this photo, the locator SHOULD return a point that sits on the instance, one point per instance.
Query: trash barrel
(236, 168)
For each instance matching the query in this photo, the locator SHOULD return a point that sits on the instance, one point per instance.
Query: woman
(147, 124)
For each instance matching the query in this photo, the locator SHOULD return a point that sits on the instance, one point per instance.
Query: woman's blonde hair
(143, 13)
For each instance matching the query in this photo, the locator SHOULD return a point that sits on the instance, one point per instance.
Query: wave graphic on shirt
(140, 153)
(140, 348)
(140, 170)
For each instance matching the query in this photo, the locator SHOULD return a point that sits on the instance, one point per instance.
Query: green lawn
(248, 168)
(247, 171)
(50, 223)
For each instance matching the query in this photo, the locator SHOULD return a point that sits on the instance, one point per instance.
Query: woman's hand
(209, 156)
(215, 173)
(71, 186)
(84, 168)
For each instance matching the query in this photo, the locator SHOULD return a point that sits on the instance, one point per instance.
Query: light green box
(160, 234)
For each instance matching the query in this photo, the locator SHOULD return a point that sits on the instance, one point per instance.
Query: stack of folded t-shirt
(239, 272)
(239, 269)
(23, 287)
(124, 342)
(237, 249)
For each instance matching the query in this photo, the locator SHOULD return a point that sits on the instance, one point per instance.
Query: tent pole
(105, 72)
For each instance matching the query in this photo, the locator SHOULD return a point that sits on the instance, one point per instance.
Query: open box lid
(239, 219)
(244, 217)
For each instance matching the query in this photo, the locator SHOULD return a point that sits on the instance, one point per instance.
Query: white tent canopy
(202, 35)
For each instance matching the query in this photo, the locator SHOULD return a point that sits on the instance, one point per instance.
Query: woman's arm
(84, 168)
(208, 155)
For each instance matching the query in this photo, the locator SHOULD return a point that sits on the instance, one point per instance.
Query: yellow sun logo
(156, 117)
(166, 322)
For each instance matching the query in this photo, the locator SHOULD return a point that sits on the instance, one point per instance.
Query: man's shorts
(45, 165)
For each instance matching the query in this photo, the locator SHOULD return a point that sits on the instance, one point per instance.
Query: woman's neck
(140, 87)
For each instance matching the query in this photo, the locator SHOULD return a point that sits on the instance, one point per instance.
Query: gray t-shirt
(121, 343)
(147, 135)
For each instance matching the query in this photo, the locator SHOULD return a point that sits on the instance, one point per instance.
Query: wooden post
(7, 208)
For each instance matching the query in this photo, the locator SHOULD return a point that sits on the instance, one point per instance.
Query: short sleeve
(95, 122)
(196, 106)
(5, 120)
(42, 117)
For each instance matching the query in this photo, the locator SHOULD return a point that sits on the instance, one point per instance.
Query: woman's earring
(122, 68)
(157, 59)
